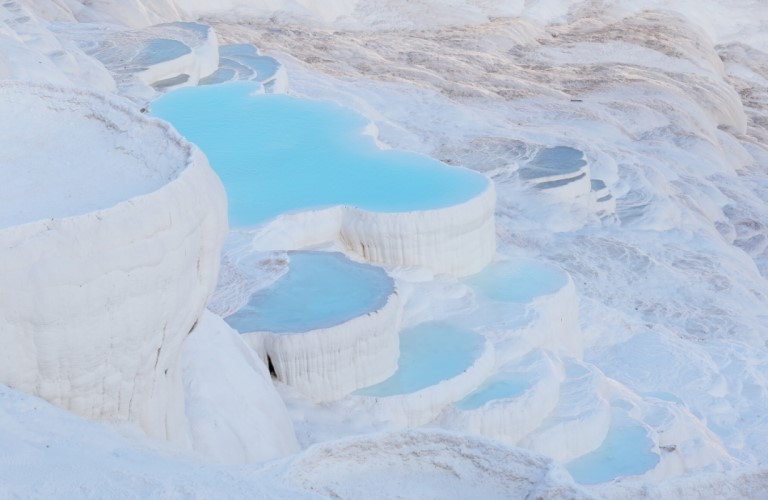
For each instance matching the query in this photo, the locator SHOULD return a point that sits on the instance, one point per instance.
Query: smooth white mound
(111, 231)
(91, 461)
(47, 174)
(459, 240)
(427, 464)
(235, 414)
(30, 51)
(326, 364)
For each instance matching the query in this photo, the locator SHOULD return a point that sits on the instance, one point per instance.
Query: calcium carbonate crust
(326, 364)
(459, 240)
(94, 307)
(509, 419)
(423, 406)
(201, 60)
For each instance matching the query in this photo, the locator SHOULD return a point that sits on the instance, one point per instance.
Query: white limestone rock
(235, 414)
(30, 51)
(110, 235)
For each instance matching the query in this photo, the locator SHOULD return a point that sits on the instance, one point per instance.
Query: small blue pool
(517, 280)
(626, 451)
(560, 160)
(320, 290)
(278, 154)
(502, 386)
(429, 353)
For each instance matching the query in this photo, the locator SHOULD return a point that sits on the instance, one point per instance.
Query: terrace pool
(519, 280)
(500, 386)
(320, 290)
(429, 353)
(557, 161)
(626, 451)
(278, 154)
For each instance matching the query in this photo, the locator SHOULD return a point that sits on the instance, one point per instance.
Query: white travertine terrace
(201, 59)
(326, 364)
(548, 321)
(109, 253)
(421, 407)
(581, 419)
(163, 55)
(458, 240)
(510, 418)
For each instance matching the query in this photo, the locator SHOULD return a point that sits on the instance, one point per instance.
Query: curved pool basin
(320, 290)
(279, 154)
(429, 354)
(519, 280)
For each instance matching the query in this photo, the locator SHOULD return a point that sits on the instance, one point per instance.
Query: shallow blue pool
(160, 50)
(320, 289)
(626, 451)
(502, 386)
(517, 280)
(429, 353)
(553, 161)
(278, 154)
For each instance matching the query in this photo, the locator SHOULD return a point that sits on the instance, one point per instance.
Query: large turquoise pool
(320, 289)
(278, 154)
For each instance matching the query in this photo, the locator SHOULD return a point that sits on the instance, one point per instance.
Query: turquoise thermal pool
(626, 451)
(278, 154)
(519, 280)
(501, 386)
(320, 290)
(429, 353)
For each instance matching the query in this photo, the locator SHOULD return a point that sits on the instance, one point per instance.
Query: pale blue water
(249, 56)
(242, 62)
(517, 280)
(429, 353)
(626, 451)
(159, 50)
(553, 161)
(278, 154)
(320, 289)
(502, 386)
